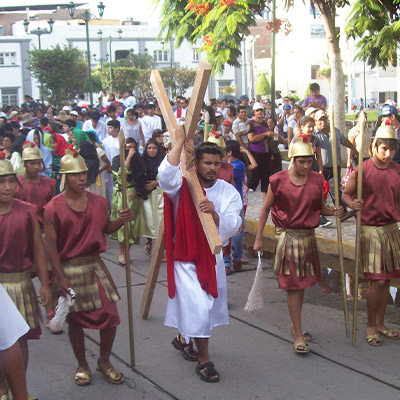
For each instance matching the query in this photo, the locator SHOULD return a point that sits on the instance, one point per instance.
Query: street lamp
(252, 40)
(87, 16)
(100, 34)
(39, 32)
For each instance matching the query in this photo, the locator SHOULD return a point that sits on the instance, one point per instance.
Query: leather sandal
(301, 347)
(111, 375)
(82, 376)
(390, 334)
(207, 372)
(374, 340)
(187, 350)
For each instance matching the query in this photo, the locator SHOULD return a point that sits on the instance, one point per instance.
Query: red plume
(2, 155)
(305, 138)
(387, 122)
(326, 187)
(28, 142)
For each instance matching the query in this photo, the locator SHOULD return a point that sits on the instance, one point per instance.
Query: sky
(139, 10)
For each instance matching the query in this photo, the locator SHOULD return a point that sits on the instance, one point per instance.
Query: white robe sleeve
(170, 179)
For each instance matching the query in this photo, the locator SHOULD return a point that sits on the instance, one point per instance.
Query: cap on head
(386, 132)
(244, 97)
(388, 109)
(300, 148)
(258, 106)
(310, 110)
(6, 167)
(320, 114)
(71, 163)
(227, 123)
(31, 152)
(287, 107)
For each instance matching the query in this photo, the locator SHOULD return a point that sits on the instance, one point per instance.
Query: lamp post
(252, 40)
(87, 16)
(100, 34)
(39, 32)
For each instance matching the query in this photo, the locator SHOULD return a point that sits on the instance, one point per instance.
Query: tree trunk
(327, 10)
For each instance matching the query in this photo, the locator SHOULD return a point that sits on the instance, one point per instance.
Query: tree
(377, 24)
(123, 78)
(263, 86)
(221, 26)
(62, 71)
(140, 61)
(143, 83)
(178, 80)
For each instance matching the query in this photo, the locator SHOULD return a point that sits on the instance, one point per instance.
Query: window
(160, 55)
(121, 54)
(9, 97)
(8, 58)
(314, 70)
(384, 96)
(196, 55)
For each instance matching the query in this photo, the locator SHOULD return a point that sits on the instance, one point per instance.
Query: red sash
(190, 242)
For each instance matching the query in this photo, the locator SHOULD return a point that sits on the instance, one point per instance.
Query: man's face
(242, 115)
(8, 185)
(150, 111)
(112, 131)
(33, 167)
(314, 93)
(7, 143)
(322, 123)
(302, 165)
(208, 167)
(112, 114)
(244, 103)
(385, 153)
(77, 182)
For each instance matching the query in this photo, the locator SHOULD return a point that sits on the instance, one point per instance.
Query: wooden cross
(187, 167)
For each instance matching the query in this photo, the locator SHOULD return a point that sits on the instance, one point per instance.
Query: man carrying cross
(196, 279)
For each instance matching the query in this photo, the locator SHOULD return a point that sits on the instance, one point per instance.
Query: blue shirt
(239, 169)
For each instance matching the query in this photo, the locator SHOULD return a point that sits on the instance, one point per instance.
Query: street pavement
(254, 354)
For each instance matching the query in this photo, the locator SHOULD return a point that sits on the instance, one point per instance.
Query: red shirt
(296, 207)
(226, 172)
(79, 234)
(17, 237)
(38, 194)
(380, 192)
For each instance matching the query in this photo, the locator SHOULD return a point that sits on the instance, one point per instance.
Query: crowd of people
(60, 179)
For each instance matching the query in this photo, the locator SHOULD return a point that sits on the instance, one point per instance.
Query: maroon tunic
(297, 207)
(81, 234)
(380, 192)
(38, 194)
(17, 237)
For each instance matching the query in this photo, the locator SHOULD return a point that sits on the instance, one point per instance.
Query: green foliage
(294, 97)
(140, 61)
(178, 80)
(123, 78)
(263, 86)
(325, 70)
(219, 24)
(377, 25)
(308, 91)
(62, 71)
(143, 83)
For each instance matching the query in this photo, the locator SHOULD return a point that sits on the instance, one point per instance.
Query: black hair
(234, 147)
(314, 86)
(70, 122)
(391, 143)
(156, 133)
(11, 136)
(131, 140)
(111, 108)
(8, 127)
(207, 148)
(91, 136)
(95, 115)
(241, 108)
(44, 121)
(273, 119)
(114, 123)
(232, 109)
(133, 112)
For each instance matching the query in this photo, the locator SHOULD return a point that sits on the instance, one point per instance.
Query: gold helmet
(386, 132)
(300, 148)
(216, 138)
(6, 167)
(71, 163)
(31, 152)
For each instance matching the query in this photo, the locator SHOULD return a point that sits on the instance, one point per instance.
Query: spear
(206, 125)
(121, 138)
(338, 222)
(361, 121)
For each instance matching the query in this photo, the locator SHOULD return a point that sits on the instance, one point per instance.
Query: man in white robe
(150, 122)
(192, 310)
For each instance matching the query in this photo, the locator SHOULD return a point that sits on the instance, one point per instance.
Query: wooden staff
(206, 125)
(121, 138)
(338, 222)
(361, 121)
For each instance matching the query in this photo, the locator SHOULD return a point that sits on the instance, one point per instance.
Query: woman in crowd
(132, 160)
(89, 154)
(59, 145)
(153, 205)
(294, 124)
(274, 140)
(354, 137)
(35, 136)
(132, 127)
(231, 113)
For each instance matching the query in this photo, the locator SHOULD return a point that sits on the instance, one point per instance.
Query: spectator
(150, 122)
(354, 137)
(95, 124)
(315, 99)
(132, 127)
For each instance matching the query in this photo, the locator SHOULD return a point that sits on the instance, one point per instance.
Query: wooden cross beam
(187, 167)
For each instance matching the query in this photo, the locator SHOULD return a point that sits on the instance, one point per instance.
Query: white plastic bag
(255, 301)
(62, 309)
